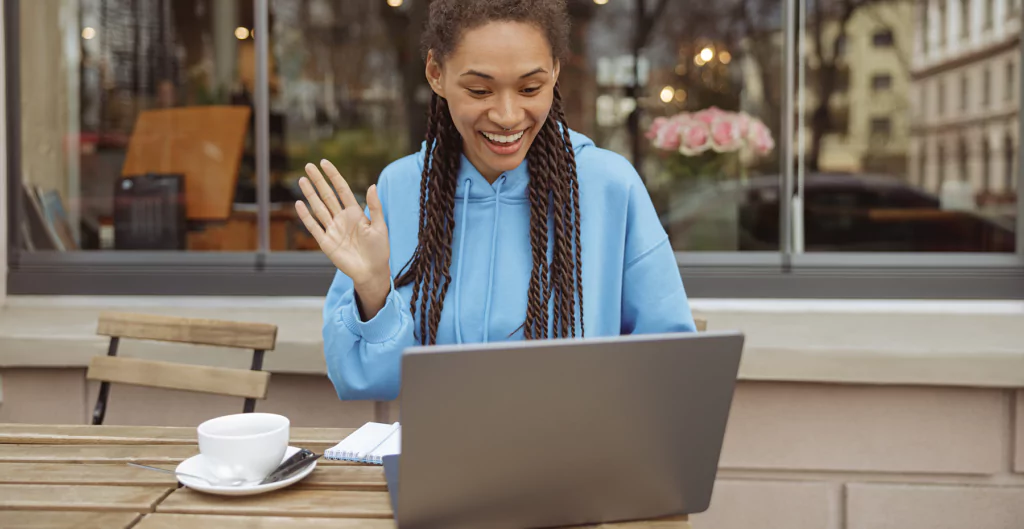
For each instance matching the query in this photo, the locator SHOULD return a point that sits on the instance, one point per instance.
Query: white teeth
(497, 138)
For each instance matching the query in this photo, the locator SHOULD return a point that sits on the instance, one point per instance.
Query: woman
(511, 226)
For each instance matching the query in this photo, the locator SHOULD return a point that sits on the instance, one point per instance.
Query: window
(963, 92)
(922, 167)
(963, 166)
(943, 22)
(1009, 153)
(965, 18)
(95, 211)
(989, 13)
(1011, 80)
(882, 39)
(986, 167)
(881, 128)
(940, 98)
(940, 164)
(986, 87)
(880, 82)
(925, 7)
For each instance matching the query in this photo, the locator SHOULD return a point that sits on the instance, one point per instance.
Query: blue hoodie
(631, 283)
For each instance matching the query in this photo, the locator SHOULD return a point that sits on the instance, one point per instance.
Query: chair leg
(100, 410)
(257, 365)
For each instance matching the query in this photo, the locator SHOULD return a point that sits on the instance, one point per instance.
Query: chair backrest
(702, 324)
(251, 384)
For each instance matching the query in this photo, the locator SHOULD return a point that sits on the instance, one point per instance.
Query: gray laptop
(561, 432)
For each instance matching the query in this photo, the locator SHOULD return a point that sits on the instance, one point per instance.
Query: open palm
(357, 245)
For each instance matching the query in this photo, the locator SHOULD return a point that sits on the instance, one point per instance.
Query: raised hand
(357, 245)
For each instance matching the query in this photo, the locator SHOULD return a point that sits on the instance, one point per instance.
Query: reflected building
(966, 94)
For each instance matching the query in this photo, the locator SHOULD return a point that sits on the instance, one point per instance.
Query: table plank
(206, 521)
(39, 453)
(96, 453)
(345, 477)
(83, 474)
(81, 497)
(290, 502)
(148, 435)
(67, 519)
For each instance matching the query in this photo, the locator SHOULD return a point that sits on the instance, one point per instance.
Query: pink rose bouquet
(693, 133)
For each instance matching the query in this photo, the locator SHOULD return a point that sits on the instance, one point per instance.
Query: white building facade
(966, 74)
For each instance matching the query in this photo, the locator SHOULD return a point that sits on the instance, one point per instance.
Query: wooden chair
(250, 384)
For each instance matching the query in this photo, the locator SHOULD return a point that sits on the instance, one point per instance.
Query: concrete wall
(795, 456)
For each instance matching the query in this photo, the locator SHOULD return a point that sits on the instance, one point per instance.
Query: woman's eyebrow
(491, 77)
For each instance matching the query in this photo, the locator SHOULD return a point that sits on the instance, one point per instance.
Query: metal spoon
(224, 483)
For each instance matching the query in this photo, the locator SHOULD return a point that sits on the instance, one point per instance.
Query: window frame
(782, 274)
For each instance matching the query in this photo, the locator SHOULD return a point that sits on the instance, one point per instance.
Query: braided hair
(556, 286)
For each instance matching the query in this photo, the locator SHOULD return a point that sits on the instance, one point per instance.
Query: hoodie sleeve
(653, 297)
(364, 357)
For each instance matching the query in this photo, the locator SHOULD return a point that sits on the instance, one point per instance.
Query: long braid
(428, 269)
(416, 262)
(573, 175)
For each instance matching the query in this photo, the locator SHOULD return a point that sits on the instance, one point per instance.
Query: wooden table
(75, 476)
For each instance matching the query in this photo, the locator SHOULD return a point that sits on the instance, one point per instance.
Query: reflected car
(842, 212)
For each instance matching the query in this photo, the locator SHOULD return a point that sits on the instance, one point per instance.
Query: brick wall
(818, 456)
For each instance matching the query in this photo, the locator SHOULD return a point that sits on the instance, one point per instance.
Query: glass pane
(926, 158)
(711, 98)
(347, 83)
(136, 127)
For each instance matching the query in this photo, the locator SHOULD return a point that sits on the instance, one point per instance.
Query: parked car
(842, 212)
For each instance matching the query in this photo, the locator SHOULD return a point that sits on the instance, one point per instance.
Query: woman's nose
(506, 114)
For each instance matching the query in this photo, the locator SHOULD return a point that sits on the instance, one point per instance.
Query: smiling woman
(548, 235)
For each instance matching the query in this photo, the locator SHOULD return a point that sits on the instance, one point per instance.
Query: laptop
(561, 432)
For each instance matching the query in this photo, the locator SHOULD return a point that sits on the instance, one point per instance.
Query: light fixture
(667, 94)
(725, 57)
(680, 95)
(698, 61)
(88, 33)
(395, 3)
(241, 33)
(707, 54)
(600, 2)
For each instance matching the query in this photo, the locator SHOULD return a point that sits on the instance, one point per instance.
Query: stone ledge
(974, 344)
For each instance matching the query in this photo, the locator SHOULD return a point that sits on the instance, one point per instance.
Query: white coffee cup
(246, 445)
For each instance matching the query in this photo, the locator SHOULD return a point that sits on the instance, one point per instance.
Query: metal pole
(789, 12)
(261, 35)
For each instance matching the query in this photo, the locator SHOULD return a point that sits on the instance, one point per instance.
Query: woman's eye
(477, 92)
(531, 90)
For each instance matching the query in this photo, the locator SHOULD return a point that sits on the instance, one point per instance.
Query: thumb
(376, 208)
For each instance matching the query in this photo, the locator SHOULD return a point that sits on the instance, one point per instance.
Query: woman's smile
(503, 143)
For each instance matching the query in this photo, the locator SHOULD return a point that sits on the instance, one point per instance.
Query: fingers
(344, 192)
(376, 208)
(321, 212)
(326, 193)
(307, 219)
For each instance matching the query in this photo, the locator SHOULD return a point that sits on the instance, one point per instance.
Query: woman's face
(499, 82)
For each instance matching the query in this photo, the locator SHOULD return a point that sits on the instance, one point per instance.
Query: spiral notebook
(368, 444)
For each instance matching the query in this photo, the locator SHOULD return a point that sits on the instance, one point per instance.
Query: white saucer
(198, 466)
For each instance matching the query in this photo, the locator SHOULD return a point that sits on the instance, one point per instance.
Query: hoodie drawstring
(494, 248)
(462, 258)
